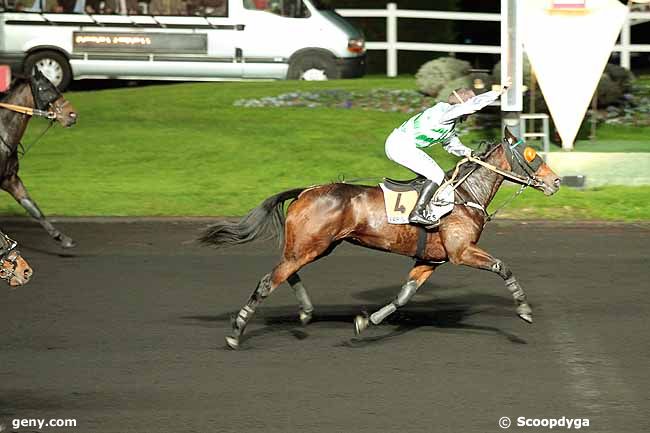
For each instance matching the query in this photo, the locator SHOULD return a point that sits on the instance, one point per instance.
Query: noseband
(9, 254)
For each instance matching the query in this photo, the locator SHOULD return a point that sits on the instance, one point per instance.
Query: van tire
(322, 62)
(53, 65)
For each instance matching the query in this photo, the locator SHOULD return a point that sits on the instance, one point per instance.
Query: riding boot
(419, 213)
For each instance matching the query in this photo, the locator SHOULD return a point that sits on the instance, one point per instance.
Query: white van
(179, 39)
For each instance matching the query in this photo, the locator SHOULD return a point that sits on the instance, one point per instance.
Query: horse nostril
(27, 273)
(73, 115)
(557, 182)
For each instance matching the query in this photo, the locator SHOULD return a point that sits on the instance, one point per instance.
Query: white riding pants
(401, 148)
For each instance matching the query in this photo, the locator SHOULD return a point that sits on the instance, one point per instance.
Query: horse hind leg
(241, 320)
(418, 275)
(306, 307)
(282, 272)
(14, 186)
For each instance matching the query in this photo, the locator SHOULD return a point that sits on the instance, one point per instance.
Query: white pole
(511, 65)
(391, 34)
(625, 43)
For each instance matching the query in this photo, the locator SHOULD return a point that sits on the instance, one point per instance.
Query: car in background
(179, 40)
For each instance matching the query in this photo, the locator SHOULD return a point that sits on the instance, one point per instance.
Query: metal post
(511, 65)
(391, 34)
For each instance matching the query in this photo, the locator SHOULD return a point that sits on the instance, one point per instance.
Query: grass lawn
(183, 149)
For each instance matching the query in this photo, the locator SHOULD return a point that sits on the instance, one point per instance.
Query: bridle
(45, 95)
(8, 254)
(46, 105)
(528, 180)
(513, 155)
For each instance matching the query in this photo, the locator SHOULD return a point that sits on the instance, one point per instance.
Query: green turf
(183, 149)
(606, 203)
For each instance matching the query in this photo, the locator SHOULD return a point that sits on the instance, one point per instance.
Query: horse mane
(16, 80)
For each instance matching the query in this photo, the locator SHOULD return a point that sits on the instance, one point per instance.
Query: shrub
(436, 74)
(624, 78)
(449, 87)
(615, 81)
(609, 91)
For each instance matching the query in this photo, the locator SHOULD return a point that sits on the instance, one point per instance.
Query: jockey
(435, 125)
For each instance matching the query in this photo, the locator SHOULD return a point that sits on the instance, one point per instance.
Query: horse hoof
(525, 313)
(67, 242)
(360, 324)
(526, 317)
(232, 342)
(305, 317)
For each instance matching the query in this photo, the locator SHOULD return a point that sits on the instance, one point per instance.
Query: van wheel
(53, 65)
(313, 67)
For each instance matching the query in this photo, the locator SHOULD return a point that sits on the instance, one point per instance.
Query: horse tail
(264, 222)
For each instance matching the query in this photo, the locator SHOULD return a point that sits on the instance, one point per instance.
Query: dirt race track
(125, 334)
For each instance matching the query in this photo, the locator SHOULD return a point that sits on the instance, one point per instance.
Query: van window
(21, 6)
(201, 8)
(100, 7)
(285, 8)
(58, 6)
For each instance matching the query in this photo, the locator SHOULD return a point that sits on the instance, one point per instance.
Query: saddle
(400, 197)
(405, 185)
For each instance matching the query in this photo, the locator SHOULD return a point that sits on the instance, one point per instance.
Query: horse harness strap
(422, 243)
(475, 206)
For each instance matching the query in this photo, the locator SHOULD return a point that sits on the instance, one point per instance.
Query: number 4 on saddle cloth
(400, 198)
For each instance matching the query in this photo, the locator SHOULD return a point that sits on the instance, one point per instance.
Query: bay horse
(14, 269)
(36, 94)
(320, 217)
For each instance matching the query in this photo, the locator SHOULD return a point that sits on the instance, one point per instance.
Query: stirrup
(424, 221)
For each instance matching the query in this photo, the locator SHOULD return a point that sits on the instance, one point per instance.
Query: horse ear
(511, 139)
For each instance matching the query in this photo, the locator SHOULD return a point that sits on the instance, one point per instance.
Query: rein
(51, 115)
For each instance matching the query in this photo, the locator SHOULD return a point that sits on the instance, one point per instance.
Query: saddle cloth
(399, 204)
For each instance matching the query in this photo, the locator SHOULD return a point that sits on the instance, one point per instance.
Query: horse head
(526, 162)
(14, 269)
(48, 98)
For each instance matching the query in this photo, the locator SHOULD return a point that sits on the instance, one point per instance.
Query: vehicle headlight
(357, 45)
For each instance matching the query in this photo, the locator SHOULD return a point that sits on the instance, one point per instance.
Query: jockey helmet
(459, 96)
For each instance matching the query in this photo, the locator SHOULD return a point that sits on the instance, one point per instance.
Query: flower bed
(404, 101)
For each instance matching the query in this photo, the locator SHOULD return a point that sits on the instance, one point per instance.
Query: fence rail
(392, 45)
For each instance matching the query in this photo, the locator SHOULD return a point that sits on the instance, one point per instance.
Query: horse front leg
(14, 186)
(418, 275)
(477, 258)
